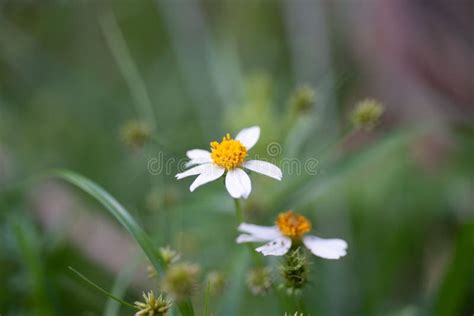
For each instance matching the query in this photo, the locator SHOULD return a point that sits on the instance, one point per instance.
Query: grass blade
(118, 211)
(100, 289)
(127, 221)
(119, 288)
(30, 250)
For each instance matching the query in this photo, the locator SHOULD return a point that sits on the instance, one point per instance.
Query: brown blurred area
(418, 54)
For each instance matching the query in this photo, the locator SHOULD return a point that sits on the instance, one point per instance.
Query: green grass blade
(118, 211)
(119, 288)
(206, 299)
(30, 250)
(100, 289)
(127, 221)
(186, 308)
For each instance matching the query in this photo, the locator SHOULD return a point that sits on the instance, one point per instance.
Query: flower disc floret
(229, 153)
(293, 225)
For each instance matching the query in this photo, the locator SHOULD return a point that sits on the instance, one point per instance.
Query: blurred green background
(74, 73)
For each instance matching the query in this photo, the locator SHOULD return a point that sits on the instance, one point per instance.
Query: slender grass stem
(120, 51)
(97, 287)
(206, 299)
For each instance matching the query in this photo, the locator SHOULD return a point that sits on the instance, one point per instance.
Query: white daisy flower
(228, 157)
(289, 231)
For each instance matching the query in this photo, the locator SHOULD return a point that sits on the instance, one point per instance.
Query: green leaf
(119, 212)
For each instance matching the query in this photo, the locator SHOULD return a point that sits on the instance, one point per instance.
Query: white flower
(289, 229)
(228, 157)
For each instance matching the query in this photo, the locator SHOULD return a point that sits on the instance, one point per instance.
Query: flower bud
(259, 280)
(181, 280)
(135, 133)
(216, 282)
(169, 255)
(366, 114)
(302, 99)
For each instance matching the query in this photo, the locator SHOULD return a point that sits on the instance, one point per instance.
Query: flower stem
(238, 211)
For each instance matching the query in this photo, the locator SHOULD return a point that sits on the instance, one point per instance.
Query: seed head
(169, 255)
(181, 280)
(135, 133)
(153, 306)
(294, 270)
(302, 99)
(367, 114)
(216, 282)
(260, 280)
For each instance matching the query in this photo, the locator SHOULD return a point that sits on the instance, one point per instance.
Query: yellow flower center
(229, 153)
(293, 225)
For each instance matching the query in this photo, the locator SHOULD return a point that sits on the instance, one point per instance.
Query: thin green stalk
(118, 46)
(30, 250)
(97, 287)
(186, 308)
(238, 211)
(206, 299)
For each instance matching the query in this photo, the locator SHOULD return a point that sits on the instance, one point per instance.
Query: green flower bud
(302, 99)
(260, 280)
(181, 280)
(153, 306)
(169, 255)
(151, 272)
(135, 133)
(367, 114)
(294, 271)
(216, 282)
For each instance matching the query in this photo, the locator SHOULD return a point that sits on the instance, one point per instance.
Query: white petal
(238, 183)
(212, 173)
(198, 156)
(326, 248)
(276, 247)
(249, 136)
(198, 161)
(194, 171)
(265, 233)
(264, 168)
(197, 153)
(249, 238)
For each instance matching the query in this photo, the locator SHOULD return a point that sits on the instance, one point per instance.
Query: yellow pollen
(229, 153)
(293, 225)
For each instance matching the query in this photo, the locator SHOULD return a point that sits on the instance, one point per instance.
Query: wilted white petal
(212, 173)
(249, 238)
(238, 183)
(326, 248)
(276, 247)
(197, 153)
(264, 233)
(264, 168)
(249, 136)
(194, 171)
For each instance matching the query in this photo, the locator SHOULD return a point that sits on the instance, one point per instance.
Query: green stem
(238, 211)
(206, 299)
(186, 308)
